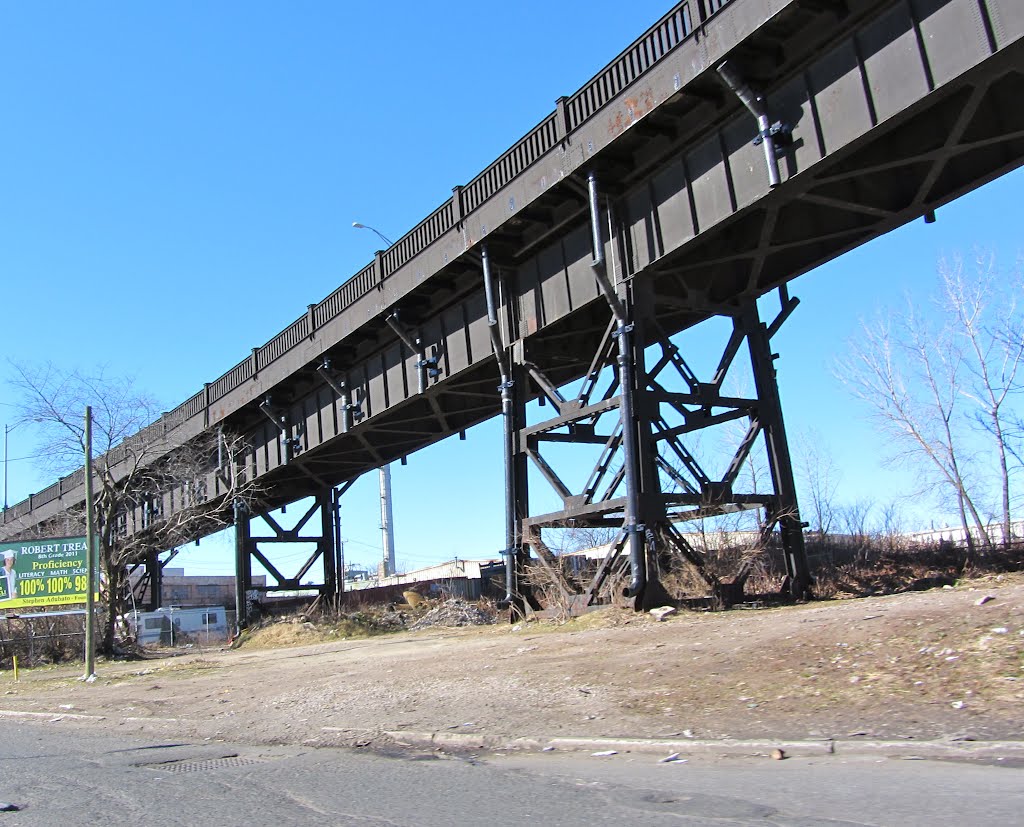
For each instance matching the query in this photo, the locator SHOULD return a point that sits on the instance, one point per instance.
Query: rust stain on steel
(634, 109)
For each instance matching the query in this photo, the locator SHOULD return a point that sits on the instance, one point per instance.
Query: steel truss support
(646, 481)
(318, 525)
(147, 588)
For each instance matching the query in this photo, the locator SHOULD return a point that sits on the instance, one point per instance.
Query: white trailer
(173, 625)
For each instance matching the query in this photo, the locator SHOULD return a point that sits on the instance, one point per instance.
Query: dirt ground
(941, 664)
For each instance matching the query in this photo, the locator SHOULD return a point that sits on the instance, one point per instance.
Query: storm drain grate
(203, 765)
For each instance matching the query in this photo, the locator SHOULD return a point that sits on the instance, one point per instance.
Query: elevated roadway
(731, 148)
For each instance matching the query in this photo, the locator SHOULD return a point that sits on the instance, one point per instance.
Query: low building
(468, 579)
(179, 589)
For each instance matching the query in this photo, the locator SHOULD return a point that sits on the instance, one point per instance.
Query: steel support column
(517, 553)
(155, 574)
(243, 565)
(327, 544)
(785, 510)
(513, 415)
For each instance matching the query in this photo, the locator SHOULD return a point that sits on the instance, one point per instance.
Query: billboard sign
(43, 573)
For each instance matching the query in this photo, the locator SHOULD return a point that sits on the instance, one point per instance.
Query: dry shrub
(877, 566)
(328, 623)
(766, 576)
(682, 581)
(42, 639)
(552, 588)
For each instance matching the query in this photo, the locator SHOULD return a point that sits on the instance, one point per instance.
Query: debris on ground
(380, 618)
(454, 612)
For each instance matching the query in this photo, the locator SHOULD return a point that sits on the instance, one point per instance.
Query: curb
(725, 747)
(50, 716)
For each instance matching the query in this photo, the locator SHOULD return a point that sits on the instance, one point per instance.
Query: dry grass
(287, 632)
(368, 621)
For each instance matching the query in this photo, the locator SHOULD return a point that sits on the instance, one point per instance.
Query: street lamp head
(380, 235)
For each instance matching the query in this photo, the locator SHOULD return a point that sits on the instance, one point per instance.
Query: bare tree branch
(151, 493)
(934, 384)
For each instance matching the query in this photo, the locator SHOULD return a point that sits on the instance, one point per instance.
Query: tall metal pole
(90, 556)
(7, 430)
(387, 526)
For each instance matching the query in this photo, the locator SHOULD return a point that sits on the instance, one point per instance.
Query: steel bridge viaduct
(734, 146)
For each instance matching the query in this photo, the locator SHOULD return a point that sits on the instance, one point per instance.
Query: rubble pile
(379, 619)
(454, 612)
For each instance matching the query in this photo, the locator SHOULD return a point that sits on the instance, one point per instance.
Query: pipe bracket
(781, 132)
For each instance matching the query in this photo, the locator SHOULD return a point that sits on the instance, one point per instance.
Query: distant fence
(36, 638)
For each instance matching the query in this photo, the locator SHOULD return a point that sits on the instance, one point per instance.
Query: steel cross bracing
(323, 560)
(875, 112)
(644, 482)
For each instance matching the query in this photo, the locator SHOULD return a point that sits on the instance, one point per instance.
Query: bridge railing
(192, 407)
(230, 380)
(527, 150)
(418, 238)
(282, 342)
(572, 112)
(349, 292)
(659, 40)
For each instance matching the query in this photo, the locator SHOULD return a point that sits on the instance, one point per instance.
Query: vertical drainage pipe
(508, 419)
(756, 104)
(637, 559)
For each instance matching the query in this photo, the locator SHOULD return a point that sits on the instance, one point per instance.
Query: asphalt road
(60, 775)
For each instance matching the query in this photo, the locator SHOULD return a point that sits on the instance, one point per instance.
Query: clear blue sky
(178, 181)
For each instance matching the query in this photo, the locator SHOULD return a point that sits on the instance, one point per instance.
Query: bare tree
(153, 490)
(991, 326)
(912, 381)
(931, 382)
(820, 476)
(855, 518)
(891, 524)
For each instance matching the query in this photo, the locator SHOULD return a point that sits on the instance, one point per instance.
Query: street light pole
(387, 527)
(380, 235)
(7, 430)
